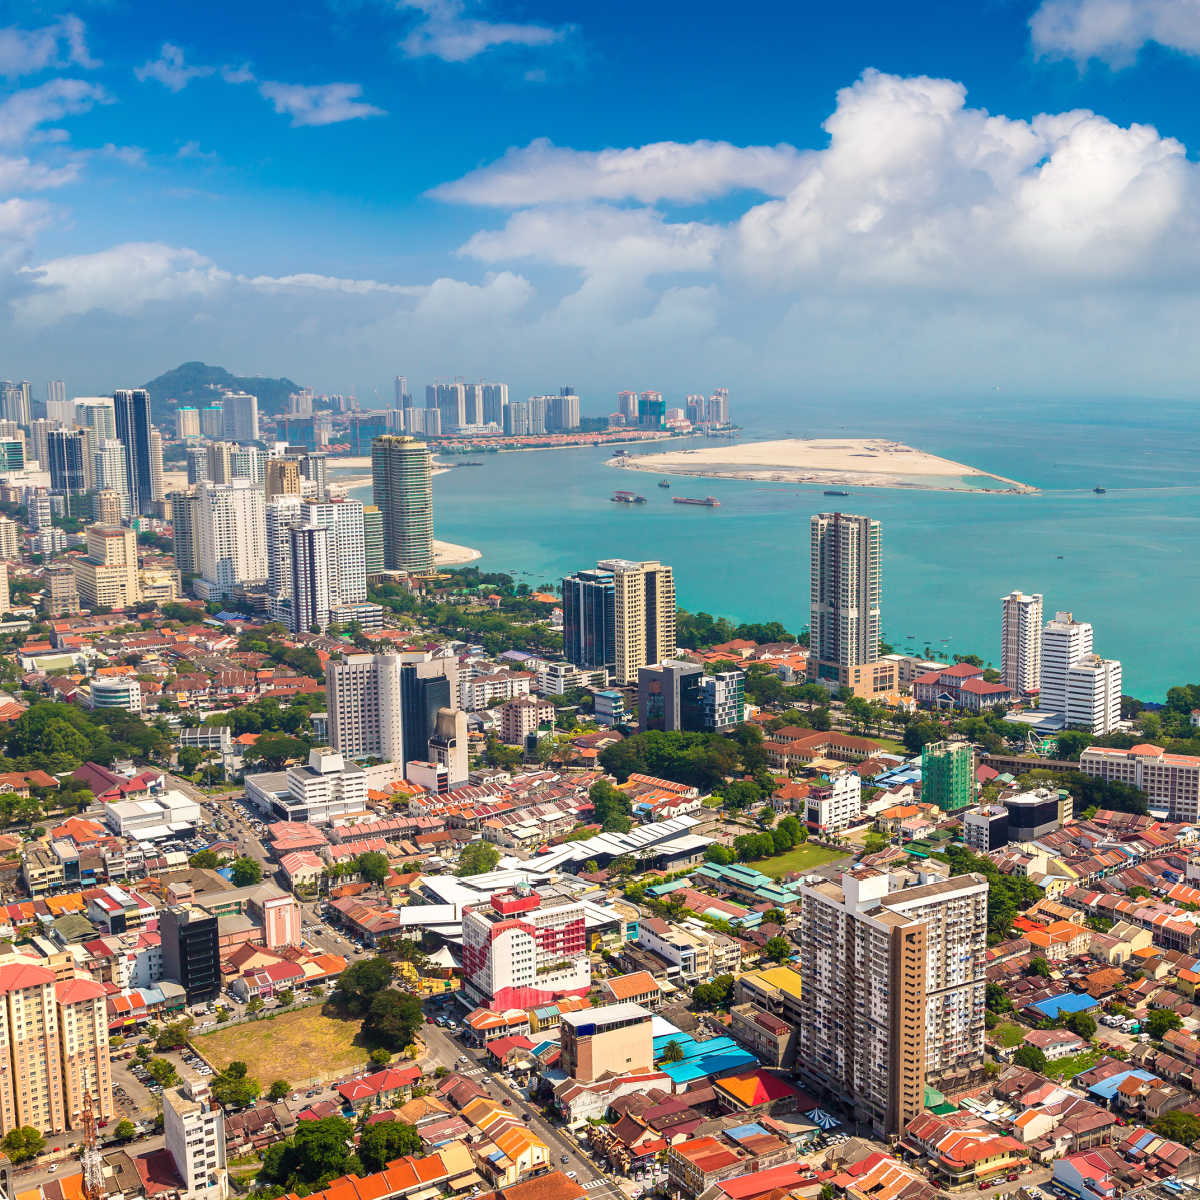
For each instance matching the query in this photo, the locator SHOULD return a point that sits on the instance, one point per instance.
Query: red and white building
(960, 686)
(524, 949)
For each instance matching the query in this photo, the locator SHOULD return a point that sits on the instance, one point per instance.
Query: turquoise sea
(1126, 561)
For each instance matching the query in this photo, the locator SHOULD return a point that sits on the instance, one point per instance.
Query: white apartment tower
(1021, 642)
(894, 986)
(311, 585)
(365, 698)
(239, 417)
(231, 537)
(844, 592)
(1079, 685)
(194, 1129)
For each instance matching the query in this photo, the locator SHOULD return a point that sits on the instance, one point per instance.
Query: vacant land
(801, 858)
(297, 1046)
(1066, 1068)
(1009, 1034)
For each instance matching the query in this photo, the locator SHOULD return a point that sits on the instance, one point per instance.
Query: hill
(197, 384)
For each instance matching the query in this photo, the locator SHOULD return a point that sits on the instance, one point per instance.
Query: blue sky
(779, 198)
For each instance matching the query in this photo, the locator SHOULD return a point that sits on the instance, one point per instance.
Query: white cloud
(23, 111)
(319, 104)
(446, 32)
(1114, 30)
(542, 173)
(28, 51)
(22, 175)
(241, 74)
(170, 69)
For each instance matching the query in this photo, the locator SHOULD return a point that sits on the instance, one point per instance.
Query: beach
(447, 554)
(858, 462)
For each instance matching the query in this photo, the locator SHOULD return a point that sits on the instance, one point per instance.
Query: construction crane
(93, 1169)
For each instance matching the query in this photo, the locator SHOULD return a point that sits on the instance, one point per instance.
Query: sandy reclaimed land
(447, 554)
(858, 462)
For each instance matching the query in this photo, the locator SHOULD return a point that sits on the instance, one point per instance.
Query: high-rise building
(694, 409)
(310, 599)
(535, 410)
(132, 409)
(1083, 689)
(365, 705)
(15, 401)
(948, 775)
(1171, 781)
(247, 462)
(109, 473)
(109, 507)
(56, 398)
(425, 421)
(562, 412)
(65, 451)
(447, 745)
(190, 951)
(83, 1048)
(894, 985)
(643, 615)
(473, 396)
(372, 540)
(157, 490)
(669, 696)
(220, 462)
(610, 1040)
(194, 1133)
(723, 700)
(717, 410)
(12, 452)
(402, 476)
(627, 406)
(183, 530)
(38, 443)
(402, 395)
(239, 417)
(300, 404)
(347, 550)
(844, 592)
(515, 419)
(10, 539)
(97, 417)
(495, 401)
(108, 576)
(425, 691)
(450, 399)
(282, 477)
(1065, 641)
(651, 410)
(231, 537)
(197, 465)
(187, 422)
(212, 420)
(39, 510)
(5, 594)
(282, 512)
(1021, 642)
(589, 618)
(522, 949)
(62, 596)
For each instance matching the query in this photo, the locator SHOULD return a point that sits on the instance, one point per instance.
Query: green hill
(196, 384)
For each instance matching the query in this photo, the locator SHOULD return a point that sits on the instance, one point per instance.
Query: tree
(163, 1071)
(1181, 1127)
(373, 866)
(1082, 1025)
(1072, 743)
(1160, 1021)
(717, 993)
(777, 949)
(175, 1035)
(246, 871)
(385, 1142)
(1031, 1057)
(255, 1005)
(672, 1052)
(774, 916)
(317, 1150)
(23, 1143)
(393, 1019)
(189, 759)
(380, 1057)
(1039, 966)
(874, 842)
(742, 794)
(279, 1089)
(477, 858)
(125, 1131)
(716, 853)
(1137, 892)
(360, 982)
(274, 750)
(205, 858)
(233, 1088)
(285, 996)
(611, 807)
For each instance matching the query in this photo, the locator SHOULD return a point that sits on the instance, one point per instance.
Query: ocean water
(1126, 561)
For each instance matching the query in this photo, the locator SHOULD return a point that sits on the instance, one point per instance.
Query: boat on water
(663, 483)
(627, 498)
(832, 493)
(1099, 490)
(703, 502)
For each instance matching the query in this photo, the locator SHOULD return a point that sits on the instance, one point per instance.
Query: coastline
(448, 554)
(828, 461)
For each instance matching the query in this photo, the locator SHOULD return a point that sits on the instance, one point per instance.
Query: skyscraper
(495, 401)
(1021, 642)
(562, 412)
(282, 477)
(402, 477)
(62, 596)
(403, 396)
(282, 512)
(109, 473)
(65, 451)
(212, 420)
(56, 399)
(346, 548)
(473, 395)
(190, 951)
(157, 491)
(1065, 641)
(844, 591)
(451, 403)
(643, 615)
(132, 411)
(651, 410)
(894, 985)
(183, 528)
(365, 704)
(15, 401)
(515, 419)
(589, 618)
(948, 775)
(627, 406)
(310, 555)
(108, 576)
(372, 540)
(1082, 688)
(187, 422)
(231, 537)
(239, 417)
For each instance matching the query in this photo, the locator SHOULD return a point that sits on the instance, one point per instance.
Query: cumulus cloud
(170, 69)
(20, 174)
(28, 51)
(1114, 30)
(319, 104)
(542, 173)
(446, 32)
(25, 111)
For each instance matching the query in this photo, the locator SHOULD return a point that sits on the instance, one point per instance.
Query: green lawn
(800, 858)
(1067, 1068)
(1009, 1034)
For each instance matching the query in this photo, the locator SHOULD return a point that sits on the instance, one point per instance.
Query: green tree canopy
(373, 866)
(385, 1142)
(1181, 1127)
(1160, 1021)
(393, 1019)
(360, 982)
(23, 1143)
(477, 858)
(1031, 1057)
(317, 1152)
(246, 871)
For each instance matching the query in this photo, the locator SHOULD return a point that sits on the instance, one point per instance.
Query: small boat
(837, 493)
(705, 502)
(627, 498)
(663, 483)
(1058, 556)
(1099, 490)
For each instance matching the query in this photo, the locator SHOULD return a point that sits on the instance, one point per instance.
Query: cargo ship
(829, 493)
(627, 498)
(706, 502)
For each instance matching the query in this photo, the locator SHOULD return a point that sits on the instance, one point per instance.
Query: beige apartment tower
(108, 577)
(643, 615)
(1021, 642)
(894, 988)
(282, 478)
(845, 584)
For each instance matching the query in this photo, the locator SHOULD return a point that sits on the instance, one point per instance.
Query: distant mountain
(196, 384)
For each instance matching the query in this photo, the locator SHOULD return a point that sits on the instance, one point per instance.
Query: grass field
(1009, 1034)
(297, 1046)
(800, 858)
(1066, 1068)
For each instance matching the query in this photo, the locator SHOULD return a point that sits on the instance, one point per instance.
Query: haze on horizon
(939, 200)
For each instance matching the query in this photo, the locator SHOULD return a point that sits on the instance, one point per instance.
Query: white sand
(447, 554)
(862, 462)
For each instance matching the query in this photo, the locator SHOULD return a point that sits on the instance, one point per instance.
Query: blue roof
(706, 1065)
(1106, 1089)
(1069, 1002)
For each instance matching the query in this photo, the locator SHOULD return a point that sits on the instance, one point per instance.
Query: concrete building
(447, 745)
(281, 514)
(157, 490)
(522, 716)
(1021, 642)
(282, 478)
(948, 775)
(194, 1131)
(109, 473)
(894, 985)
(643, 615)
(239, 417)
(402, 478)
(311, 586)
(1034, 814)
(525, 948)
(320, 792)
(347, 549)
(613, 1039)
(495, 401)
(1171, 781)
(589, 618)
(365, 706)
(66, 451)
(231, 537)
(985, 828)
(834, 807)
(108, 576)
(83, 1048)
(722, 701)
(669, 696)
(187, 422)
(372, 540)
(191, 951)
(844, 593)
(10, 539)
(132, 428)
(115, 691)
(1065, 642)
(183, 532)
(1094, 695)
(62, 596)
